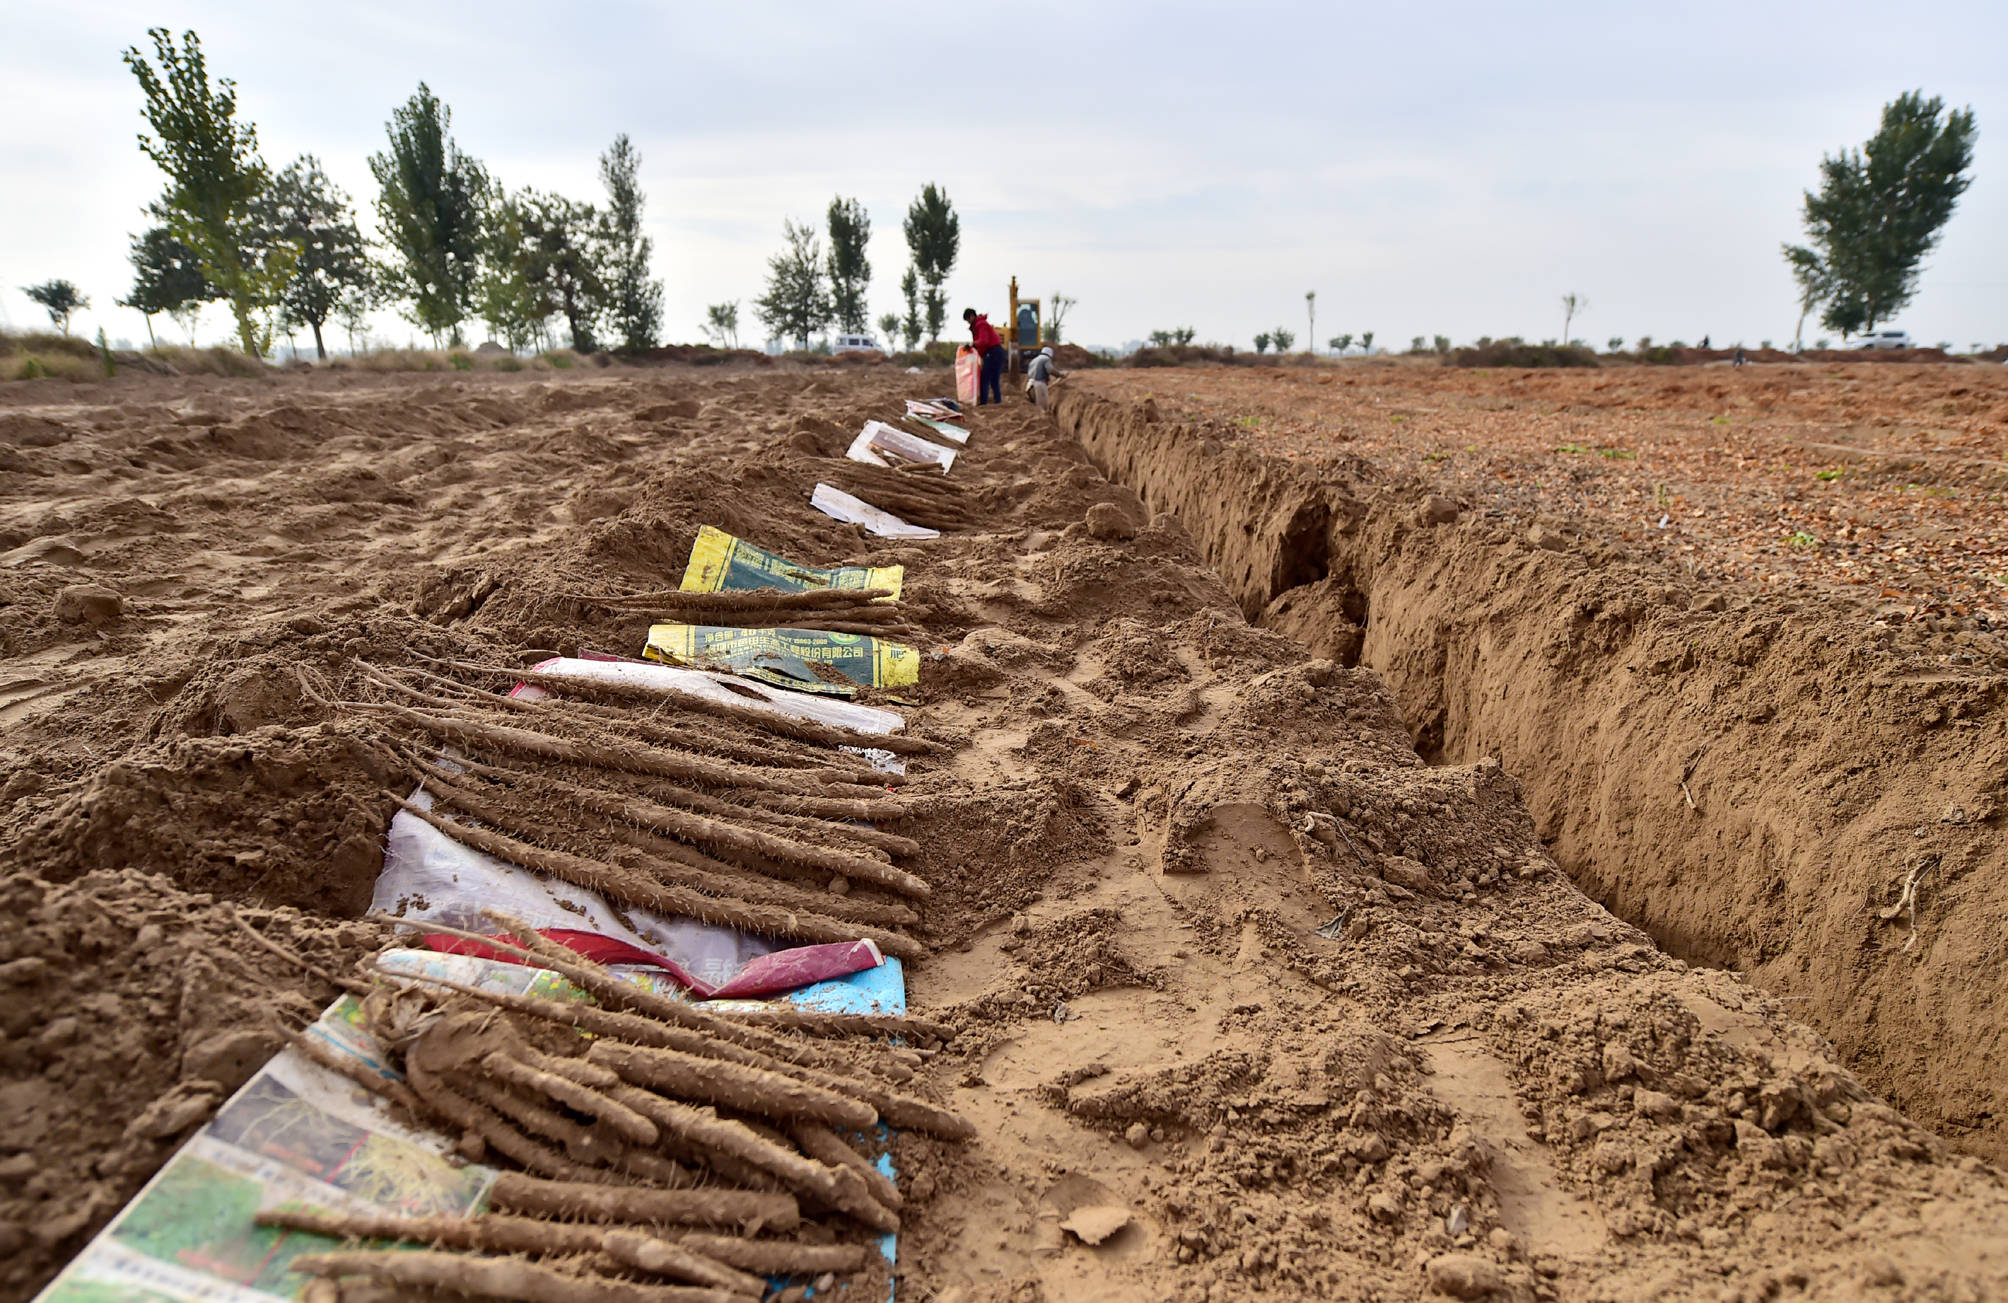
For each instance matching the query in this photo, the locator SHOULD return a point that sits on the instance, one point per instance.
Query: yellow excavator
(1026, 333)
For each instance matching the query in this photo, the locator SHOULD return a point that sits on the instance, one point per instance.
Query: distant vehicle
(855, 344)
(1887, 339)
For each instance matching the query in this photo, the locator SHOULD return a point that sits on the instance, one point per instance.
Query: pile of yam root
(654, 1152)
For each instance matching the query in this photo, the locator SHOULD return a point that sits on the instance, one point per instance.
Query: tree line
(810, 290)
(283, 249)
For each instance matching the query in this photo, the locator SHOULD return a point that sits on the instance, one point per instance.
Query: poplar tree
(634, 298)
(910, 325)
(850, 271)
(796, 305)
(934, 236)
(430, 208)
(214, 176)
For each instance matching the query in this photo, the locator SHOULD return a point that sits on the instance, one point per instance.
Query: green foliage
(634, 298)
(1418, 345)
(564, 258)
(796, 304)
(1879, 210)
(1801, 539)
(1366, 341)
(849, 270)
(1340, 343)
(1282, 339)
(1261, 342)
(910, 324)
(1615, 344)
(1442, 343)
(167, 277)
(504, 295)
(888, 326)
(60, 299)
(934, 237)
(303, 209)
(31, 368)
(214, 176)
(430, 208)
(1175, 338)
(721, 325)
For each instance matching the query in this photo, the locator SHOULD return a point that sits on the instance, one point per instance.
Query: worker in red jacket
(983, 336)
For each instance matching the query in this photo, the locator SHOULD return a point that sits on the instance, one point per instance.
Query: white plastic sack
(429, 877)
(839, 505)
(879, 444)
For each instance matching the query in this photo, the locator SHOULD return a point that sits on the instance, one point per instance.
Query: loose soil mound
(1252, 1001)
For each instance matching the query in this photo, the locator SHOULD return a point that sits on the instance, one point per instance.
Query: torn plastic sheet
(735, 690)
(879, 444)
(940, 409)
(307, 1138)
(807, 660)
(839, 505)
(720, 563)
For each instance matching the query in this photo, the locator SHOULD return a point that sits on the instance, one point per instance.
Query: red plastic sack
(968, 373)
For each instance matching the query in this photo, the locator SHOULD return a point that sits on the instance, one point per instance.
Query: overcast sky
(1443, 168)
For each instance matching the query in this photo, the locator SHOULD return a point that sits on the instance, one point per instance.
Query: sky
(1443, 169)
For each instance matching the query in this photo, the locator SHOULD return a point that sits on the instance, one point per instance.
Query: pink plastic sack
(968, 372)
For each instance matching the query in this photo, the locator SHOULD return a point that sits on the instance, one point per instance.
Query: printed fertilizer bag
(720, 563)
(968, 370)
(807, 660)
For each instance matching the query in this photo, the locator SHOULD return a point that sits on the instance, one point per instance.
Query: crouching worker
(1039, 379)
(983, 337)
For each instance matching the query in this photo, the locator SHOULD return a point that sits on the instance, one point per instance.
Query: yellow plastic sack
(720, 563)
(807, 660)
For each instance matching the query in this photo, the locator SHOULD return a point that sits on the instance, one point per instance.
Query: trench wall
(1751, 781)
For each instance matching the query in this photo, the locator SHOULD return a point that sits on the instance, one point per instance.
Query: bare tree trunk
(319, 347)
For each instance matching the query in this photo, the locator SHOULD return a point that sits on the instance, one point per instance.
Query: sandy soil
(1254, 1002)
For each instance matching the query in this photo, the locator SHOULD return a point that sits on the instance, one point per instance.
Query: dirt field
(1747, 746)
(1248, 992)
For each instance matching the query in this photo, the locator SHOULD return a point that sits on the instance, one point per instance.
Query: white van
(1886, 339)
(855, 344)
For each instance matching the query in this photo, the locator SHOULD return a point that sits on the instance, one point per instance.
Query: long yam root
(616, 1117)
(835, 1187)
(777, 785)
(826, 1146)
(498, 1278)
(777, 1257)
(748, 1210)
(633, 888)
(749, 1090)
(816, 1023)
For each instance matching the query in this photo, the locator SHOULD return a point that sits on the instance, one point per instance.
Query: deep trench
(1581, 670)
